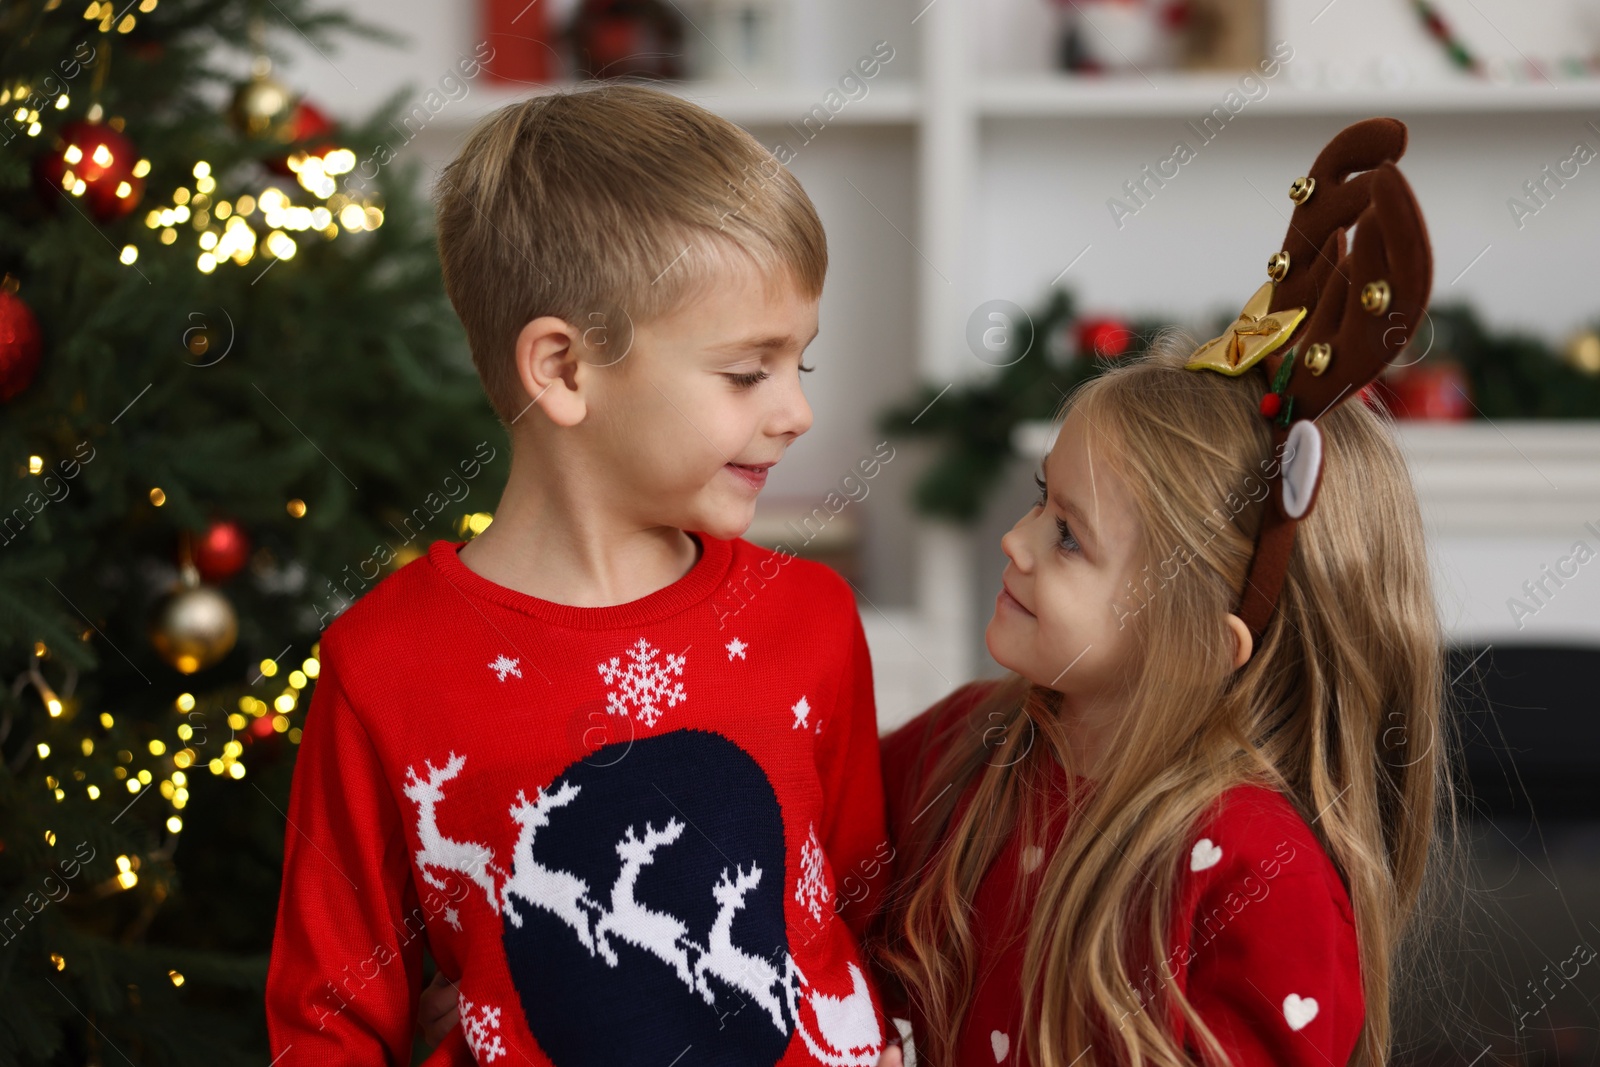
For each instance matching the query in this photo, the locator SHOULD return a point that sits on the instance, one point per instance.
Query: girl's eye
(746, 380)
(807, 369)
(1069, 543)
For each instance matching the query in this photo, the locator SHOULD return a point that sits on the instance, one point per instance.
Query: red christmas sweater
(622, 830)
(1264, 944)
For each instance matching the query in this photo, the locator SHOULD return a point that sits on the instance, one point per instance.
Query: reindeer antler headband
(1346, 313)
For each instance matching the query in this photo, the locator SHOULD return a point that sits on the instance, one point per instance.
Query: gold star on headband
(1250, 338)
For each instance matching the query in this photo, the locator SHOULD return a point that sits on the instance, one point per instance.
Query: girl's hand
(891, 1057)
(438, 1013)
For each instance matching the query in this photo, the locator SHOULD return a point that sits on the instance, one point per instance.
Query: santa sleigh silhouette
(847, 1032)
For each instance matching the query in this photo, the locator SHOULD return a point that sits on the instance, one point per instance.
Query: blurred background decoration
(226, 376)
(231, 391)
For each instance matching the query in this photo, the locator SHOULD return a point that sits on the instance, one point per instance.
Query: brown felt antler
(1345, 314)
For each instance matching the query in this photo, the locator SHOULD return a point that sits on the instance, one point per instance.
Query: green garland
(1511, 376)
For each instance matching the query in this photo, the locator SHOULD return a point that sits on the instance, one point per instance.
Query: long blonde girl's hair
(1340, 710)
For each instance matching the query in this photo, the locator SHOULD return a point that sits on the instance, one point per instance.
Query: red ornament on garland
(97, 162)
(307, 123)
(1433, 390)
(1103, 338)
(21, 341)
(1271, 404)
(222, 551)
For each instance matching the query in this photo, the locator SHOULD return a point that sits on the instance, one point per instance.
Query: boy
(609, 760)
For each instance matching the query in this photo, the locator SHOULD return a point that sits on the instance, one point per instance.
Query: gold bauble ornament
(262, 107)
(194, 626)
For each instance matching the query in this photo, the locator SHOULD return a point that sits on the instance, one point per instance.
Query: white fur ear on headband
(1302, 463)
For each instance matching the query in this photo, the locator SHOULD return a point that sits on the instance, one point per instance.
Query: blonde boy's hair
(606, 205)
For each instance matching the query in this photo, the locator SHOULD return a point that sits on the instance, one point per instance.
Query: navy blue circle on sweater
(644, 916)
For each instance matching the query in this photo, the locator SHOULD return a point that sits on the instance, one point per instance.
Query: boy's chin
(726, 523)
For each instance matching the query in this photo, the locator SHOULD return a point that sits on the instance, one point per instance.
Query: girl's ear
(547, 365)
(1243, 644)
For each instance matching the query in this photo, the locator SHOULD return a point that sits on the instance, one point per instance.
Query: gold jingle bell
(1318, 357)
(1375, 297)
(1300, 189)
(1278, 266)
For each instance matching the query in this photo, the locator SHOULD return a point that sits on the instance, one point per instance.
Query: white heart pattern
(1298, 1011)
(1032, 856)
(1000, 1043)
(1204, 855)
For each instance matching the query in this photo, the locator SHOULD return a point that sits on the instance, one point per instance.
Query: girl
(1151, 842)
(1193, 821)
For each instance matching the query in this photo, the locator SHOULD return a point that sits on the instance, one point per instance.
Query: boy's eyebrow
(775, 343)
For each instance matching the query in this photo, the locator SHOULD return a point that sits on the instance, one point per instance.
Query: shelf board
(1191, 96)
(887, 102)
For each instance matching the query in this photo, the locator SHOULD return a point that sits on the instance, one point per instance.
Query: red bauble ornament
(20, 344)
(103, 160)
(1103, 338)
(307, 123)
(1433, 390)
(1271, 404)
(222, 551)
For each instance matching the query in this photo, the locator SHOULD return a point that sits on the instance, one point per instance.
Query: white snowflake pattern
(801, 709)
(453, 917)
(644, 684)
(482, 1031)
(811, 888)
(736, 647)
(504, 665)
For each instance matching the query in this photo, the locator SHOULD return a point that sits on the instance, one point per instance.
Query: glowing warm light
(35, 464)
(129, 254)
(157, 497)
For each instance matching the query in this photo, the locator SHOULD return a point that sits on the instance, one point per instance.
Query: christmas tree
(232, 398)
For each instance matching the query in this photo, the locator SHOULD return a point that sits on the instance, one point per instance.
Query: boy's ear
(547, 362)
(1243, 644)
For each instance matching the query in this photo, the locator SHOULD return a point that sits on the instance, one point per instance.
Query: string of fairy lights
(260, 221)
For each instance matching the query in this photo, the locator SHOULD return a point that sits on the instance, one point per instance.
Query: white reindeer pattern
(566, 896)
(849, 1030)
(656, 932)
(463, 857)
(741, 970)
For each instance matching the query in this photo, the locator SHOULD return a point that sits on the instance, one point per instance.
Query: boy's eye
(807, 369)
(746, 380)
(1044, 491)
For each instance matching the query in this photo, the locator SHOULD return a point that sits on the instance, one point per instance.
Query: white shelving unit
(996, 174)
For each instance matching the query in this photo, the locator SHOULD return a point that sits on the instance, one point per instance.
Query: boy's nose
(794, 417)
